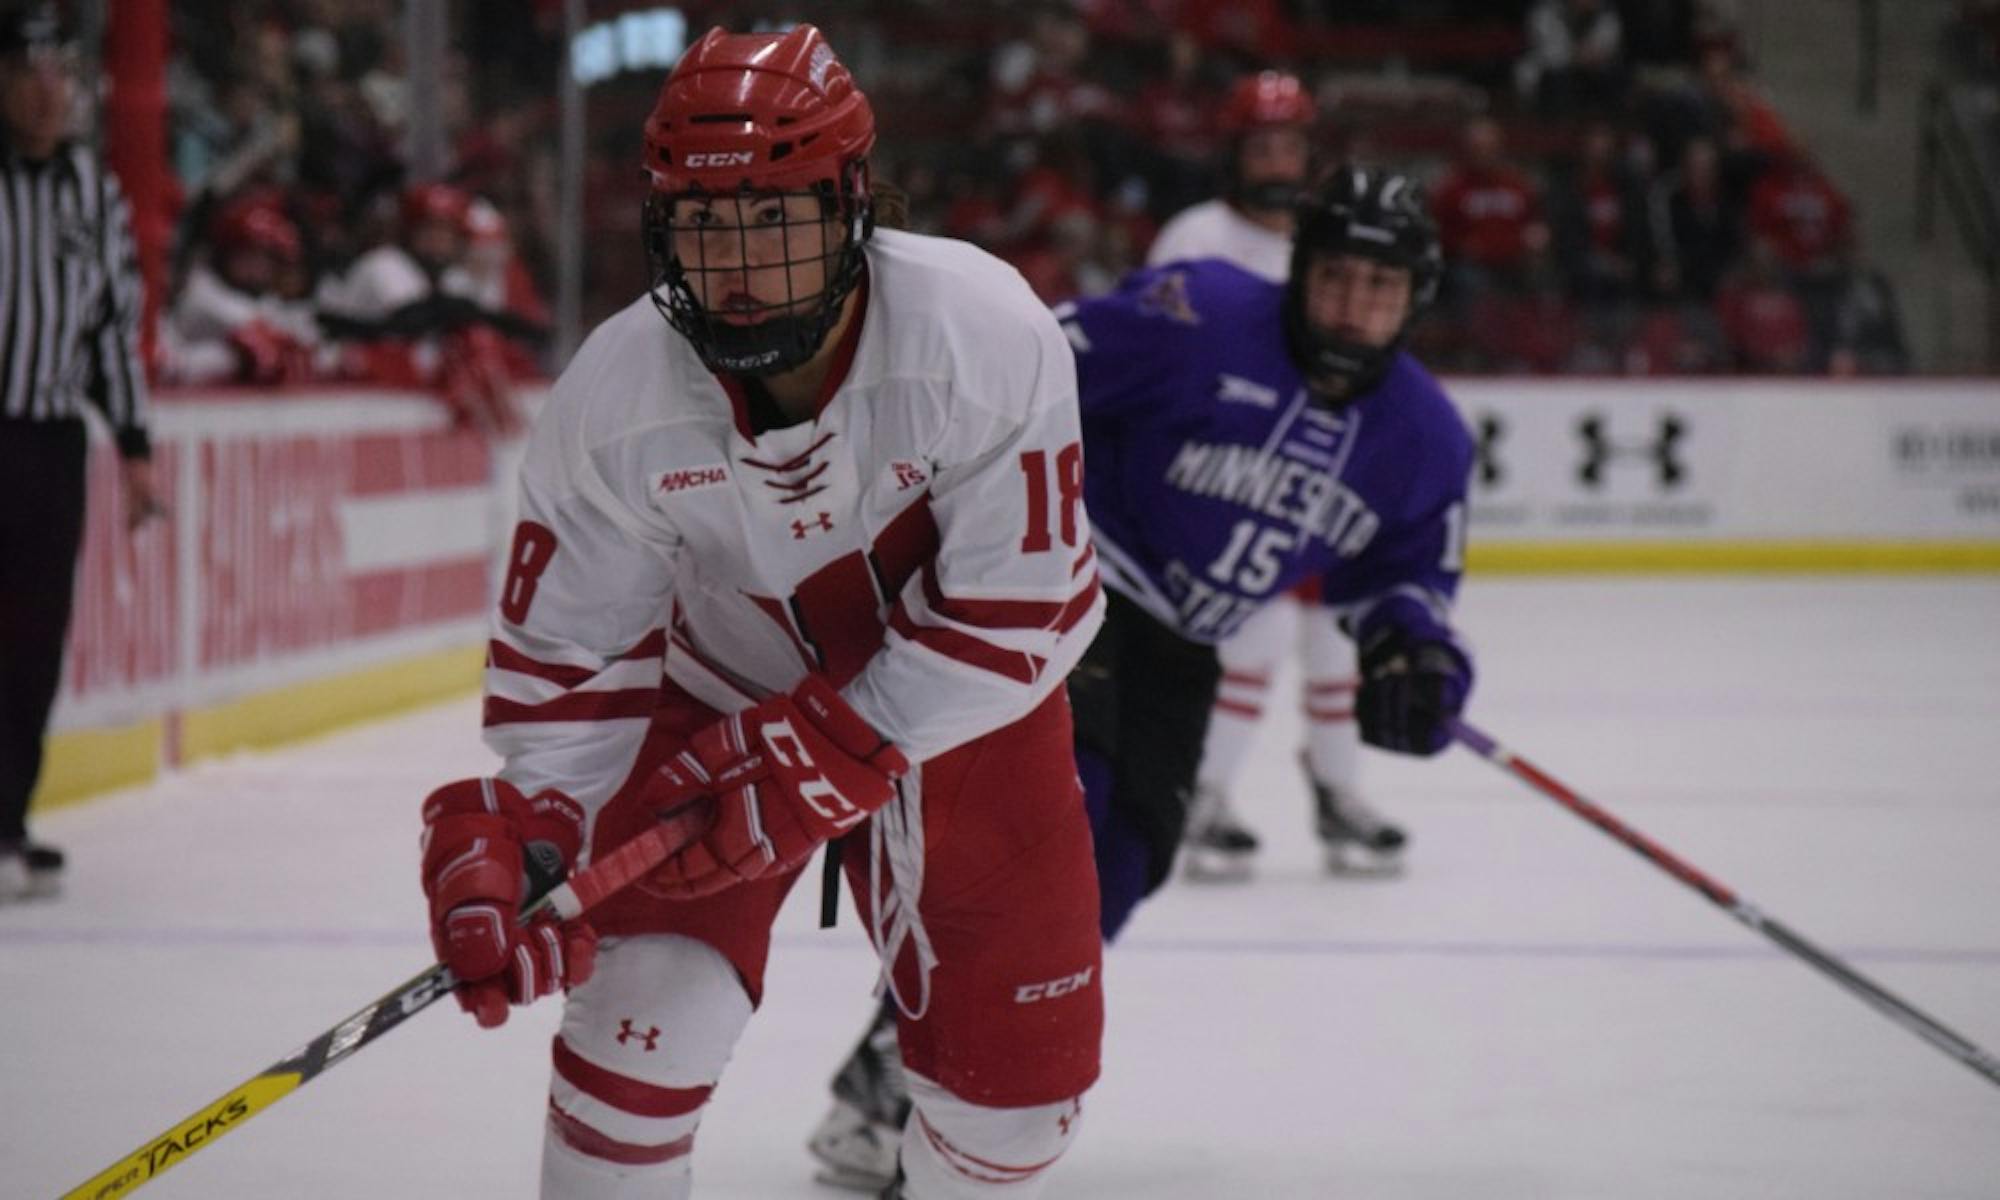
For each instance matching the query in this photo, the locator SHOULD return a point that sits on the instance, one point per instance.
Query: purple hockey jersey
(1215, 483)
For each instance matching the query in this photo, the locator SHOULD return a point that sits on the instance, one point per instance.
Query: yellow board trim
(1732, 558)
(82, 763)
(300, 710)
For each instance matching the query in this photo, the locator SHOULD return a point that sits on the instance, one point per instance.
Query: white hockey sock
(1333, 740)
(1250, 659)
(956, 1150)
(642, 1044)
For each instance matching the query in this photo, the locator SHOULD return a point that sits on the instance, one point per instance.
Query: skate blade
(848, 1179)
(1206, 866)
(1359, 863)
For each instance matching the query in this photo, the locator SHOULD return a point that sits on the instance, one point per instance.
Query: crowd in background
(1615, 192)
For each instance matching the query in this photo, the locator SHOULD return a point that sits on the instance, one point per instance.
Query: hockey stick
(197, 1130)
(1870, 992)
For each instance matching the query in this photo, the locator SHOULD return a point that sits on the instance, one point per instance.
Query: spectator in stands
(1489, 213)
(221, 148)
(1040, 83)
(1172, 119)
(1763, 319)
(412, 303)
(500, 283)
(1597, 207)
(1696, 229)
(1741, 117)
(1676, 339)
(1250, 31)
(1532, 329)
(1805, 218)
(1575, 58)
(233, 321)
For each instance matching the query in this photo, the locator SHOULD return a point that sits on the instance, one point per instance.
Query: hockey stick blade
(1881, 999)
(201, 1127)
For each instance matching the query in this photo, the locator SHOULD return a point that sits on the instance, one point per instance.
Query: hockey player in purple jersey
(1240, 437)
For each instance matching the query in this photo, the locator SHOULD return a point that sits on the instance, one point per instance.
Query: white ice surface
(1531, 1012)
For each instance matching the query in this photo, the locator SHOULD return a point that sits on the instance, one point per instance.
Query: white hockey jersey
(922, 541)
(194, 343)
(1213, 229)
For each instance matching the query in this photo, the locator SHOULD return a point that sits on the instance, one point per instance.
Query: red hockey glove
(786, 774)
(474, 383)
(265, 354)
(477, 836)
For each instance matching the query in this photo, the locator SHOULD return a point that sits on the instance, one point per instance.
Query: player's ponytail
(891, 203)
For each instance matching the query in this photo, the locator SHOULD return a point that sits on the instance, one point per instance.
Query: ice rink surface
(1530, 1013)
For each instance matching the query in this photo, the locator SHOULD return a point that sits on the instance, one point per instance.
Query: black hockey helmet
(1372, 213)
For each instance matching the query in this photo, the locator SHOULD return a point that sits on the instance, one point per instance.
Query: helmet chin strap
(771, 346)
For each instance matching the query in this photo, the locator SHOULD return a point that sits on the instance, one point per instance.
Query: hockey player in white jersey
(232, 322)
(820, 535)
(1269, 118)
(1266, 121)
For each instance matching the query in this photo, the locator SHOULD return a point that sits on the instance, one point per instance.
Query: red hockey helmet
(1267, 98)
(255, 223)
(439, 202)
(760, 115)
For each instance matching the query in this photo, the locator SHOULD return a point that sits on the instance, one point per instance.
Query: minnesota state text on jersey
(1237, 485)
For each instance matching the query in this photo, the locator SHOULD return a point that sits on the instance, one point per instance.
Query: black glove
(1409, 688)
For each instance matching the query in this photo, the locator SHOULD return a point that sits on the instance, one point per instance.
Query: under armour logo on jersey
(1069, 1118)
(1491, 432)
(628, 1034)
(1600, 451)
(823, 523)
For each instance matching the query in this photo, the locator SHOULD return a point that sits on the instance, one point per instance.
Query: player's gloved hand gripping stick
(1870, 992)
(550, 901)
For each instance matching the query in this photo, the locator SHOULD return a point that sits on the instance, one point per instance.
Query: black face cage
(770, 338)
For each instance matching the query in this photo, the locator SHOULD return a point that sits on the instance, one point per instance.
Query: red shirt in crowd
(1800, 213)
(1604, 213)
(1765, 325)
(1484, 215)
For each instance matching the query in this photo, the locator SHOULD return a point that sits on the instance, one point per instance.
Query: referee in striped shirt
(69, 323)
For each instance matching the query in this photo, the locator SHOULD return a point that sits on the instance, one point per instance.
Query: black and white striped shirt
(70, 295)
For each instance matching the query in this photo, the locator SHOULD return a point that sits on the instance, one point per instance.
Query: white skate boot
(1358, 840)
(858, 1140)
(1220, 848)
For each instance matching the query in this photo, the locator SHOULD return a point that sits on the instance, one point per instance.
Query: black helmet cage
(1269, 195)
(779, 336)
(1371, 214)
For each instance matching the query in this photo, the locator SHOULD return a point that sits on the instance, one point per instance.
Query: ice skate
(1220, 848)
(29, 871)
(1358, 840)
(858, 1140)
